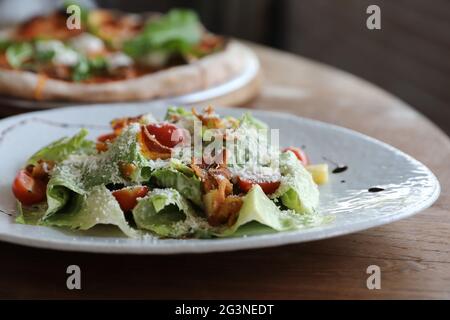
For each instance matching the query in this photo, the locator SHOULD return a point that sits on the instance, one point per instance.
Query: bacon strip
(152, 148)
(208, 118)
(221, 205)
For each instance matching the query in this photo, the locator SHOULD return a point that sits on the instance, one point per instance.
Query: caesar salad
(191, 175)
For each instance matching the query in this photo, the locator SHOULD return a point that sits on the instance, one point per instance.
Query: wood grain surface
(413, 254)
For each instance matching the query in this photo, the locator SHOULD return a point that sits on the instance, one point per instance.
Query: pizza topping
(109, 46)
(87, 43)
(177, 32)
(156, 59)
(118, 60)
(17, 54)
(52, 26)
(56, 52)
(66, 57)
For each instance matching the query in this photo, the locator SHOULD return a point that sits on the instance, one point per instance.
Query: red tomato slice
(27, 189)
(127, 197)
(165, 133)
(299, 153)
(268, 187)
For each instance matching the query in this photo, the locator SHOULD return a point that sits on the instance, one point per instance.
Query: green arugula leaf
(44, 56)
(81, 71)
(18, 53)
(176, 32)
(86, 68)
(4, 44)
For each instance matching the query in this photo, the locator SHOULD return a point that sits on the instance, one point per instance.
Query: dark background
(409, 56)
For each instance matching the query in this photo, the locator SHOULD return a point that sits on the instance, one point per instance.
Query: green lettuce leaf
(85, 211)
(183, 180)
(63, 148)
(80, 171)
(259, 214)
(177, 111)
(80, 211)
(247, 120)
(30, 215)
(66, 180)
(297, 189)
(61, 188)
(166, 213)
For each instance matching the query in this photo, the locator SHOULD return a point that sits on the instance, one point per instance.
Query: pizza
(115, 56)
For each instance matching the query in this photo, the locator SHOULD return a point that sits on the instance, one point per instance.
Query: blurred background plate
(236, 91)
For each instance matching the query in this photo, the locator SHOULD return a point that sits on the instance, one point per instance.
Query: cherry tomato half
(27, 189)
(165, 133)
(127, 197)
(268, 187)
(300, 154)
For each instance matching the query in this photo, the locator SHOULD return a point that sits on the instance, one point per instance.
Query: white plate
(409, 186)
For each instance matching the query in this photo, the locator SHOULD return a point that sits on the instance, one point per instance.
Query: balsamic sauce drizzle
(5, 212)
(375, 189)
(339, 168)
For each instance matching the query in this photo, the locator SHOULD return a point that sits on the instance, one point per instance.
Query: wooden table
(413, 254)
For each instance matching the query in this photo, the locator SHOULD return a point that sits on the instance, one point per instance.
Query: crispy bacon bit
(102, 140)
(150, 147)
(209, 119)
(213, 175)
(222, 210)
(230, 209)
(127, 169)
(119, 124)
(199, 172)
(220, 205)
(41, 170)
(101, 146)
(108, 137)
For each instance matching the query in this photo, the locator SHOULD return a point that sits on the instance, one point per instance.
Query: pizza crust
(199, 75)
